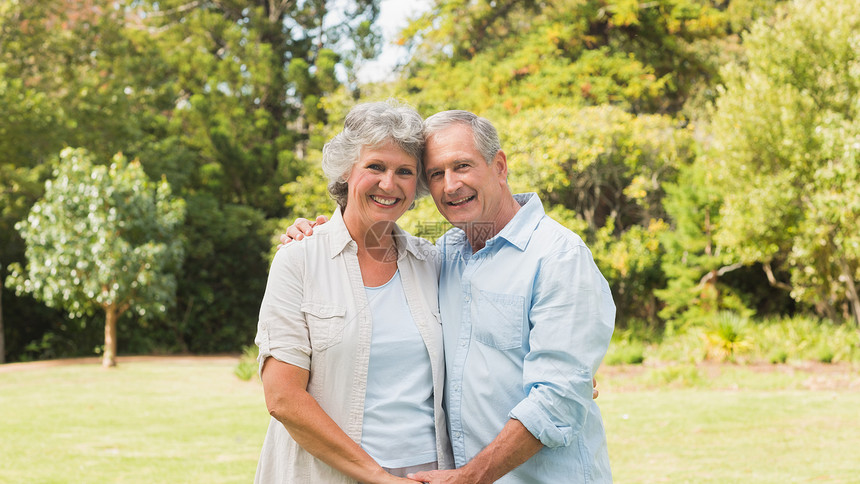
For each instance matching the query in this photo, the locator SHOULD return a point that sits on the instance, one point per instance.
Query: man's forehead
(450, 145)
(449, 155)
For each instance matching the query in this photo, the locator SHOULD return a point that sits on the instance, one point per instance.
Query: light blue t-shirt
(398, 427)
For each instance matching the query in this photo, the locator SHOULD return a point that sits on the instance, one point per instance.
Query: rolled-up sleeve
(282, 330)
(572, 317)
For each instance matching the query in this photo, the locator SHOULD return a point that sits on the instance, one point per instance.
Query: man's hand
(301, 228)
(513, 446)
(456, 476)
(594, 392)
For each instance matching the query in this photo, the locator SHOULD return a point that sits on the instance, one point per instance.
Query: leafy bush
(777, 356)
(625, 353)
(630, 344)
(676, 376)
(726, 336)
(681, 347)
(732, 337)
(803, 338)
(247, 367)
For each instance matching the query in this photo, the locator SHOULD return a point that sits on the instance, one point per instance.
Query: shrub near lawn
(732, 338)
(806, 339)
(247, 367)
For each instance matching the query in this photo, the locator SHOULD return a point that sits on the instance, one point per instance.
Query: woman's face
(381, 185)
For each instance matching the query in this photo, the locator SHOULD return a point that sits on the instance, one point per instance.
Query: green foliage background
(707, 150)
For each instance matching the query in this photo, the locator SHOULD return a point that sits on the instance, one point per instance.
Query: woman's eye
(374, 167)
(405, 171)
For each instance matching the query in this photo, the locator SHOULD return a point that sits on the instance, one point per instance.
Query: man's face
(465, 188)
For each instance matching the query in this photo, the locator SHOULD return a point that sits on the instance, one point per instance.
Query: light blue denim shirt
(526, 322)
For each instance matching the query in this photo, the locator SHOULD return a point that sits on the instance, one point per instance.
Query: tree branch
(178, 9)
(718, 273)
(772, 280)
(275, 9)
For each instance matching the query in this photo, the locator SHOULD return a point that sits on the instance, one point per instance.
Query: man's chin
(457, 218)
(458, 222)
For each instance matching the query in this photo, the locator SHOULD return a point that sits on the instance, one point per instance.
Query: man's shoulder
(551, 235)
(453, 238)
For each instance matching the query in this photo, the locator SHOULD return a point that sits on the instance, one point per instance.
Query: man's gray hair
(372, 125)
(486, 137)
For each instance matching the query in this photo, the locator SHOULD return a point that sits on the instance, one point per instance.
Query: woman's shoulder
(299, 250)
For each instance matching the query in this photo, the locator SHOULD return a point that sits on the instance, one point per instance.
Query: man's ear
(500, 164)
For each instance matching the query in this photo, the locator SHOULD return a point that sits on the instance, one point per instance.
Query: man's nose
(452, 182)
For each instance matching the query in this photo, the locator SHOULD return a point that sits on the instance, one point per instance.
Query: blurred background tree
(786, 138)
(102, 238)
(221, 97)
(705, 149)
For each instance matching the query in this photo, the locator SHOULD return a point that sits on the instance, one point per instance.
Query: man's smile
(461, 201)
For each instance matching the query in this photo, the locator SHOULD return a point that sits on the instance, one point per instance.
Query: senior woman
(349, 334)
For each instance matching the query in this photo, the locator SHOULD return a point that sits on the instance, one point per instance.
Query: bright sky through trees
(393, 17)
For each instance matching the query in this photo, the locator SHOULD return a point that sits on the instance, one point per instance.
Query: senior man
(526, 319)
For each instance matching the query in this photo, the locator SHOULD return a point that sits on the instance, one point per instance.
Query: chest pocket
(326, 323)
(499, 321)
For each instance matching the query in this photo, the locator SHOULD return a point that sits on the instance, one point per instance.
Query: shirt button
(467, 298)
(457, 434)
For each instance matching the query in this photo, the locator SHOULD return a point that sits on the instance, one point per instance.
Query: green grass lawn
(142, 422)
(752, 428)
(193, 421)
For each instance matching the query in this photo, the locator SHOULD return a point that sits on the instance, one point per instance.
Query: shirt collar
(338, 234)
(519, 230)
(340, 238)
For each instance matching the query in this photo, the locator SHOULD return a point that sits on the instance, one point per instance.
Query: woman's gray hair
(486, 137)
(372, 125)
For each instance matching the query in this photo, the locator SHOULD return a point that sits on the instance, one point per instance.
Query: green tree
(694, 263)
(601, 172)
(786, 135)
(506, 56)
(593, 99)
(600, 162)
(224, 98)
(102, 239)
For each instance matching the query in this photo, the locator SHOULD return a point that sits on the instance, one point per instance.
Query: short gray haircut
(371, 125)
(485, 135)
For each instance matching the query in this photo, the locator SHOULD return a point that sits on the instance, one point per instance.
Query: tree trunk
(2, 340)
(851, 290)
(111, 314)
